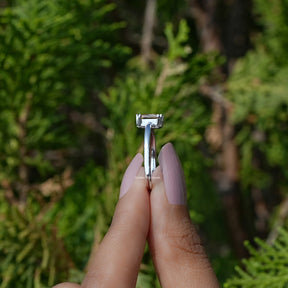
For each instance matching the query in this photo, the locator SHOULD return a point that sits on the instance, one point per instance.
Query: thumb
(179, 258)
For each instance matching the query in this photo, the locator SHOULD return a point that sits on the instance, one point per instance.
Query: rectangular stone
(156, 120)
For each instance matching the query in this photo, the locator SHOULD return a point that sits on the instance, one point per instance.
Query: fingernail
(173, 175)
(130, 174)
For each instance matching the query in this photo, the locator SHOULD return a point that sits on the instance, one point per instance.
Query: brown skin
(178, 256)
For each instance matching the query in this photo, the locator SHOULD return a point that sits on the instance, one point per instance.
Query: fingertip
(130, 174)
(135, 206)
(173, 175)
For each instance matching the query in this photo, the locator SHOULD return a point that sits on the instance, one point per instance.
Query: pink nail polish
(173, 175)
(130, 174)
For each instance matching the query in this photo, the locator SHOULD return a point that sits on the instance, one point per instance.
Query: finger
(179, 258)
(67, 285)
(117, 261)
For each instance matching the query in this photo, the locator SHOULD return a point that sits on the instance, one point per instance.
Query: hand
(162, 219)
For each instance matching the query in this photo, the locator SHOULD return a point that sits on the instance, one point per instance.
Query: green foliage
(89, 207)
(261, 111)
(53, 56)
(31, 253)
(258, 91)
(50, 54)
(56, 57)
(273, 18)
(176, 47)
(267, 266)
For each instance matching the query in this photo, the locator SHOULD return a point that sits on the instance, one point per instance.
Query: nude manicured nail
(130, 174)
(173, 175)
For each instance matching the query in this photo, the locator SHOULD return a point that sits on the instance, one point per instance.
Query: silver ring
(149, 122)
(149, 153)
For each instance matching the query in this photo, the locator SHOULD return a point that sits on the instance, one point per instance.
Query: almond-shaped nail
(173, 175)
(130, 174)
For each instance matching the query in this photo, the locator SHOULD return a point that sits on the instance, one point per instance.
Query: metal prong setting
(149, 122)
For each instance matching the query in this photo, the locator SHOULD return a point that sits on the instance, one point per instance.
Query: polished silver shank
(149, 153)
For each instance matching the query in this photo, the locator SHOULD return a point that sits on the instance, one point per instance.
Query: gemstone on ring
(156, 120)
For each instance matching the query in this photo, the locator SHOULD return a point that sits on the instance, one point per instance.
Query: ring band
(149, 153)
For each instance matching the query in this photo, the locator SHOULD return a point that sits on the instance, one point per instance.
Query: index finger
(117, 260)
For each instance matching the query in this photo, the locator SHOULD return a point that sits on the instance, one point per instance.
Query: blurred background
(74, 73)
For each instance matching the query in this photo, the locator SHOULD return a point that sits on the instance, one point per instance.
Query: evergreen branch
(266, 267)
(278, 223)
